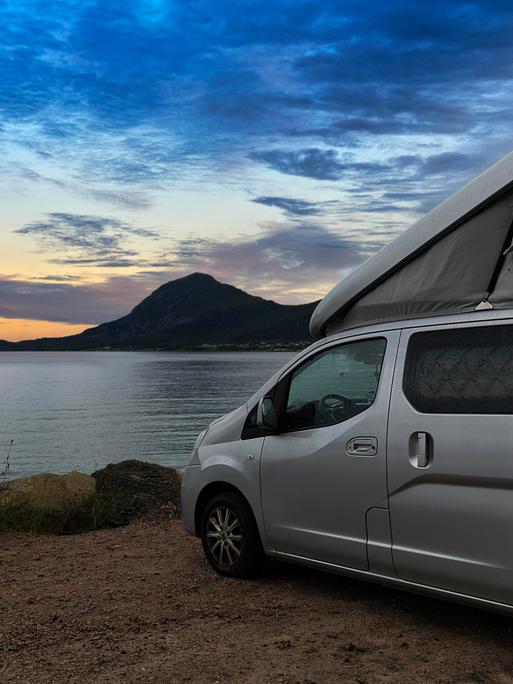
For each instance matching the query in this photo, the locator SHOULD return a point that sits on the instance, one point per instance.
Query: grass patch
(56, 504)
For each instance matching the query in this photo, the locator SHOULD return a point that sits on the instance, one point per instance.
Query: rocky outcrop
(75, 502)
(51, 503)
(132, 488)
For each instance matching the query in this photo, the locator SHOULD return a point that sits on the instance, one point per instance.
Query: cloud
(70, 303)
(56, 278)
(310, 163)
(118, 198)
(435, 164)
(290, 263)
(138, 97)
(291, 206)
(321, 165)
(86, 240)
(446, 162)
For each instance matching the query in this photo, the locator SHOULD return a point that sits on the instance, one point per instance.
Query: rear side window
(468, 370)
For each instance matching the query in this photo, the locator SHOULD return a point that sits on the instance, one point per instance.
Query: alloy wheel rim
(224, 535)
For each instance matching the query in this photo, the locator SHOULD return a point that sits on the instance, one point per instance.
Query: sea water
(82, 410)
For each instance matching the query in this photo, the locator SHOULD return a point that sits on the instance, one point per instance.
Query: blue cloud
(86, 240)
(311, 162)
(201, 72)
(289, 205)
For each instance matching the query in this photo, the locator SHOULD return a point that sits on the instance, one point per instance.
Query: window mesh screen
(469, 370)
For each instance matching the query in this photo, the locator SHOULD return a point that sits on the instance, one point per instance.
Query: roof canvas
(454, 259)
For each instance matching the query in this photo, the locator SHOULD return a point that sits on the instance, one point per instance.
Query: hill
(194, 312)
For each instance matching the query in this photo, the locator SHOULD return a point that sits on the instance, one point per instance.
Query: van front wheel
(229, 535)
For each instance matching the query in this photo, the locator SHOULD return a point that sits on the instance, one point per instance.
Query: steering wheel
(336, 406)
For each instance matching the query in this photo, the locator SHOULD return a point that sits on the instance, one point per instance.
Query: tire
(230, 537)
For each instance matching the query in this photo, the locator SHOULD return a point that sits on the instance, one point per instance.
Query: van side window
(335, 385)
(466, 370)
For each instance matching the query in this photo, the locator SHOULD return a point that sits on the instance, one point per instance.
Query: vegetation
(4, 475)
(58, 504)
(71, 503)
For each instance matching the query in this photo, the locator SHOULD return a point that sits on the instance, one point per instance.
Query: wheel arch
(209, 491)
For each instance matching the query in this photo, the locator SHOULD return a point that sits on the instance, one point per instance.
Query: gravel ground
(138, 604)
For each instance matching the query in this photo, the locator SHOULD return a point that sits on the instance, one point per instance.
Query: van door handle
(421, 449)
(362, 446)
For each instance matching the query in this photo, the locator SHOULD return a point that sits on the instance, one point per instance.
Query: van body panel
(234, 463)
(452, 519)
(315, 494)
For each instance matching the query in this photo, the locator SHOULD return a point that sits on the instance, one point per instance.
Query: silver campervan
(385, 450)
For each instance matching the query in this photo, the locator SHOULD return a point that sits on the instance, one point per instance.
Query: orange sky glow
(14, 329)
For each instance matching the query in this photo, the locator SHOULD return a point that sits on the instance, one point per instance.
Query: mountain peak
(198, 276)
(196, 280)
(195, 284)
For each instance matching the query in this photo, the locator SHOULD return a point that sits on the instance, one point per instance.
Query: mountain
(193, 312)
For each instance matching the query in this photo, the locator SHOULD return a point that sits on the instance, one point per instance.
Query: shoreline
(191, 350)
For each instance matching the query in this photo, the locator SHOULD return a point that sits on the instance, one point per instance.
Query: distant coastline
(257, 347)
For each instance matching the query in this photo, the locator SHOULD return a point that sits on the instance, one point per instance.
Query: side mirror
(266, 414)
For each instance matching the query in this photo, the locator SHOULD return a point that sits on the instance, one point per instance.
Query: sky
(274, 145)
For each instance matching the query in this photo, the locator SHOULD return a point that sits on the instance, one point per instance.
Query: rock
(50, 503)
(131, 488)
(353, 647)
(50, 491)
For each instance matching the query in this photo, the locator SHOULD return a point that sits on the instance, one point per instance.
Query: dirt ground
(139, 604)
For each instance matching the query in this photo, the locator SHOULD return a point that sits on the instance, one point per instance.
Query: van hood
(228, 428)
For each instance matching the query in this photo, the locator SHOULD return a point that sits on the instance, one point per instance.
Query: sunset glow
(15, 329)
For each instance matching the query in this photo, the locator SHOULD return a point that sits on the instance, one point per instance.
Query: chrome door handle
(421, 449)
(362, 446)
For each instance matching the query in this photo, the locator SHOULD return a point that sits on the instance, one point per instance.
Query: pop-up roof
(457, 258)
